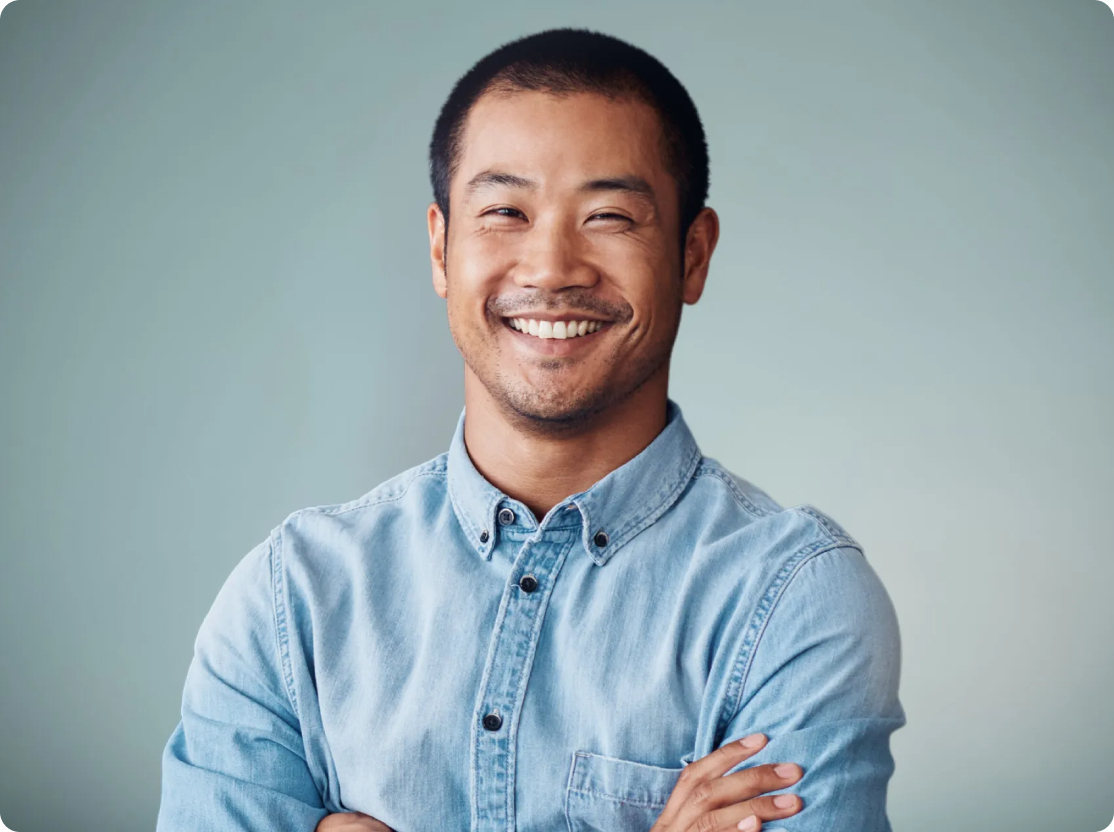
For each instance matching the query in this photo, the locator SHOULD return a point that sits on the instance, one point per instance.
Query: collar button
(484, 536)
(506, 517)
(601, 539)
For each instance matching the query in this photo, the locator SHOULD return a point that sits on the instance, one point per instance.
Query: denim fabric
(349, 661)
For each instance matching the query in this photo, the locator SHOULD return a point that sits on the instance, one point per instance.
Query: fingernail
(753, 741)
(785, 801)
(748, 824)
(785, 771)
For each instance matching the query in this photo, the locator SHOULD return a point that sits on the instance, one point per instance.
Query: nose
(552, 258)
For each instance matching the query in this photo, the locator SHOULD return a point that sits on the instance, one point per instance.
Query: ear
(436, 222)
(699, 245)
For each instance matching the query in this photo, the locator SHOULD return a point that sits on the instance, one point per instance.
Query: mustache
(571, 301)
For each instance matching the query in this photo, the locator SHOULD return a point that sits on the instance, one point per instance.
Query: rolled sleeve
(822, 684)
(236, 760)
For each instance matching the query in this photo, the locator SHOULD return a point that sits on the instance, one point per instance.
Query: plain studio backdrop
(216, 309)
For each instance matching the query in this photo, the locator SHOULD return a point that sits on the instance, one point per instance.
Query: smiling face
(564, 219)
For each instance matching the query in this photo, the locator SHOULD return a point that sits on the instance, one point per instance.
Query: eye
(498, 212)
(607, 215)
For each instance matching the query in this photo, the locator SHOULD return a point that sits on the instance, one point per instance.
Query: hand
(351, 822)
(703, 799)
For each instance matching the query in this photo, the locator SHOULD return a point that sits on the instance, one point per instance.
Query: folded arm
(822, 683)
(236, 760)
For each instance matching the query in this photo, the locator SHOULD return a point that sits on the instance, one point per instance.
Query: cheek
(492, 249)
(476, 264)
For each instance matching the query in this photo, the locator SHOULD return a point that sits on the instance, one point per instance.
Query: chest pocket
(606, 794)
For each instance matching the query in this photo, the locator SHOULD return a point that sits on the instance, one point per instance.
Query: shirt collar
(622, 504)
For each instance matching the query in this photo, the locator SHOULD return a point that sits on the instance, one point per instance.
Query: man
(571, 619)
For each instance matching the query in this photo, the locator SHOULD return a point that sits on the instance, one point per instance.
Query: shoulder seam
(835, 532)
(386, 498)
(707, 470)
(373, 498)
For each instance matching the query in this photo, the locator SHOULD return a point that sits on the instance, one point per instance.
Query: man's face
(562, 212)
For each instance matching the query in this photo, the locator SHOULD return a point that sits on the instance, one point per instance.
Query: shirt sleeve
(822, 684)
(236, 760)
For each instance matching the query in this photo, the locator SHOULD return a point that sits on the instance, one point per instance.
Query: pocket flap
(636, 783)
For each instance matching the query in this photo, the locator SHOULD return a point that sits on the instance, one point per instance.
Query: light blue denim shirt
(431, 655)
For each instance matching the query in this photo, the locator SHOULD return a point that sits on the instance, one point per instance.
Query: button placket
(506, 674)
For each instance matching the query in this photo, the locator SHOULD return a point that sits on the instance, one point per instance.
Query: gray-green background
(216, 308)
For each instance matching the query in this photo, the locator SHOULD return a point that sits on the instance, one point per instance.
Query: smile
(560, 330)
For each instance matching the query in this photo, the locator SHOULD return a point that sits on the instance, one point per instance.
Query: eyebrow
(635, 186)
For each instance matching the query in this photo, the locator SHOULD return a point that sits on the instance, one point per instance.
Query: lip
(549, 316)
(554, 346)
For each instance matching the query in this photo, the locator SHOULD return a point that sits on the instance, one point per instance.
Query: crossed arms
(821, 684)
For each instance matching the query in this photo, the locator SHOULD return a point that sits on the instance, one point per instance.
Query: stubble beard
(551, 411)
(550, 408)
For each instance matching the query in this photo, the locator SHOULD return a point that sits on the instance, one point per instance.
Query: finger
(749, 815)
(713, 765)
(755, 781)
(336, 822)
(351, 822)
(734, 789)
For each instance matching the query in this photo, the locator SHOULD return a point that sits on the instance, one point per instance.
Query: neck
(541, 468)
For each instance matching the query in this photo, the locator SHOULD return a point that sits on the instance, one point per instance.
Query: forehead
(561, 139)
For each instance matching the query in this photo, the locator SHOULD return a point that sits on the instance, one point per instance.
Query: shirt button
(506, 517)
(600, 539)
(483, 536)
(492, 722)
(528, 583)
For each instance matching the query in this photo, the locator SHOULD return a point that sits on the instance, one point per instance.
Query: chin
(552, 407)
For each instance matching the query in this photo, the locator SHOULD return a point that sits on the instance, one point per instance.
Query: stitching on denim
(757, 627)
(829, 525)
(466, 522)
(278, 608)
(370, 502)
(485, 681)
(568, 789)
(585, 755)
(557, 562)
(461, 518)
(637, 524)
(712, 469)
(625, 801)
(374, 497)
(629, 763)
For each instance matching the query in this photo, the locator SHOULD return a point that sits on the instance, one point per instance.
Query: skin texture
(543, 426)
(546, 419)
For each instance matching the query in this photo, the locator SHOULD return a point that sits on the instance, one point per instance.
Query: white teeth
(555, 329)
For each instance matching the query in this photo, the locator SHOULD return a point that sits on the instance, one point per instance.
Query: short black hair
(567, 60)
